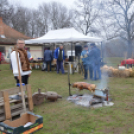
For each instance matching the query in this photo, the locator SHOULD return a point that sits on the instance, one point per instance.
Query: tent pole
(71, 50)
(101, 52)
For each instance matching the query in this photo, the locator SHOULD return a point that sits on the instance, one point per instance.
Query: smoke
(104, 82)
(104, 76)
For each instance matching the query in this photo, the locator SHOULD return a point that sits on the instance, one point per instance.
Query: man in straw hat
(23, 62)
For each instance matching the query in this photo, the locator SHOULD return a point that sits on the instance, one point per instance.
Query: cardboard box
(17, 126)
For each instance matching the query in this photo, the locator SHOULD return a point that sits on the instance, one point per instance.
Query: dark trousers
(60, 66)
(48, 63)
(24, 79)
(90, 68)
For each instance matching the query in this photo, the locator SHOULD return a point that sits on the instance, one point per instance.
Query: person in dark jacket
(48, 57)
(60, 57)
(96, 57)
(86, 62)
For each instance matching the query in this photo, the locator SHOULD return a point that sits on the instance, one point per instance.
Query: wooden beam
(29, 95)
(12, 91)
(7, 105)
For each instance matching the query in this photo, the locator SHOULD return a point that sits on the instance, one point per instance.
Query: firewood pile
(113, 72)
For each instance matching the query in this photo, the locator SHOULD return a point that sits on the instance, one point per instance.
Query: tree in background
(36, 22)
(85, 16)
(60, 16)
(6, 10)
(122, 11)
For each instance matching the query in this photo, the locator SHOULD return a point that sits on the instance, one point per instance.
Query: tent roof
(66, 35)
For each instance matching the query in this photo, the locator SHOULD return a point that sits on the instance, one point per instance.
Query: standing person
(0, 57)
(86, 62)
(23, 62)
(60, 57)
(54, 52)
(96, 60)
(48, 57)
(28, 54)
(54, 61)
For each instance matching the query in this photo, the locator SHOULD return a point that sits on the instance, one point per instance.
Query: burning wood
(84, 85)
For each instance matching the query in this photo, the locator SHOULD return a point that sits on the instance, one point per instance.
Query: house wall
(36, 51)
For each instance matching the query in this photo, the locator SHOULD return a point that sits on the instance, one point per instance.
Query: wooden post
(7, 105)
(29, 94)
(21, 87)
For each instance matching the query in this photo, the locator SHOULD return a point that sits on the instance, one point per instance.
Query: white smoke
(104, 82)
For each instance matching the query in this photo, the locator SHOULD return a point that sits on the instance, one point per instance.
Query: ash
(81, 100)
(86, 101)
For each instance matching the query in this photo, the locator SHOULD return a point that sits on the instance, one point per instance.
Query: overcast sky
(35, 3)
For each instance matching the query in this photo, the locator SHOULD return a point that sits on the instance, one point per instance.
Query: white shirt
(15, 65)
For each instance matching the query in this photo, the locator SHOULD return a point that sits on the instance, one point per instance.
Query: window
(2, 49)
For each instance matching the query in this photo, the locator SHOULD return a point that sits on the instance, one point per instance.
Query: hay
(116, 73)
(131, 72)
(125, 73)
(112, 72)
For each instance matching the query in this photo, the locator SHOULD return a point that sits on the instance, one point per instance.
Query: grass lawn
(62, 117)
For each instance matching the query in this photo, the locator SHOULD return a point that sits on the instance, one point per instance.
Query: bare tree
(60, 16)
(35, 23)
(122, 12)
(43, 22)
(86, 13)
(6, 10)
(20, 19)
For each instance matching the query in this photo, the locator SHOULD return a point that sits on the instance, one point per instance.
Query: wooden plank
(12, 91)
(11, 101)
(29, 95)
(7, 105)
(13, 107)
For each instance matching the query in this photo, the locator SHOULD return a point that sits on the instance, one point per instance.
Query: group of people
(59, 56)
(91, 59)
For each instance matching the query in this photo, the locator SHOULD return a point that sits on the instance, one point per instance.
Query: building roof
(9, 35)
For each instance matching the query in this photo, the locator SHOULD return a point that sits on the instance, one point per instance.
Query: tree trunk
(129, 49)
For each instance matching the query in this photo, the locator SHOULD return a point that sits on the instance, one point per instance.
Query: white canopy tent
(67, 35)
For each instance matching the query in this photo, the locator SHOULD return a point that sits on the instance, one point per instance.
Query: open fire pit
(98, 98)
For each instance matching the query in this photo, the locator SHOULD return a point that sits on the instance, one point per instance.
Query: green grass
(62, 117)
(114, 61)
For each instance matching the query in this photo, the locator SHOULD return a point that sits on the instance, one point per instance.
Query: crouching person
(23, 62)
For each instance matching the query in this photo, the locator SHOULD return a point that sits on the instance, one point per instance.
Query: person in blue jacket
(48, 57)
(87, 62)
(96, 57)
(60, 57)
